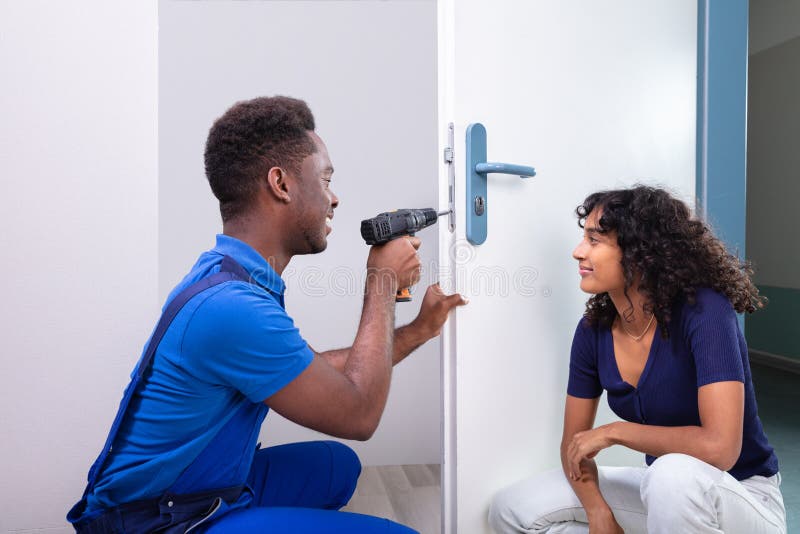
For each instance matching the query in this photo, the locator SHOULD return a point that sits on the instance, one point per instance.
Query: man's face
(315, 199)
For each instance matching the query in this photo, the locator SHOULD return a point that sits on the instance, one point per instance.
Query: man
(182, 453)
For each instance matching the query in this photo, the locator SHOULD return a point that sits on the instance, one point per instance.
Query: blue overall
(232, 485)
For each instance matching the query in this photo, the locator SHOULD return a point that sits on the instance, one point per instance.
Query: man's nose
(334, 200)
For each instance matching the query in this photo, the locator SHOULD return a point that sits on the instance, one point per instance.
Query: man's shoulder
(236, 322)
(237, 301)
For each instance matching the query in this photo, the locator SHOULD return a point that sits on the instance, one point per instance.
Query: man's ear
(277, 184)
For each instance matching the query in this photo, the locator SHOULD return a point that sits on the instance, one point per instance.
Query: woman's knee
(532, 505)
(672, 477)
(502, 510)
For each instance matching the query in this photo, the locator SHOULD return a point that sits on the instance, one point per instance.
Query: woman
(661, 336)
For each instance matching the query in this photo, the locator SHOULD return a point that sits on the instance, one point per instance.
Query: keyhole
(480, 206)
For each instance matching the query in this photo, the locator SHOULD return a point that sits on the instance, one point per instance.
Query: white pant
(676, 494)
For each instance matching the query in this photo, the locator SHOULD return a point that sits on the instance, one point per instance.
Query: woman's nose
(578, 252)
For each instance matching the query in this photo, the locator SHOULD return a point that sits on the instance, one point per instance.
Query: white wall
(78, 187)
(84, 274)
(368, 71)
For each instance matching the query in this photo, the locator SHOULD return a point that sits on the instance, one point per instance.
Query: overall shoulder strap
(229, 270)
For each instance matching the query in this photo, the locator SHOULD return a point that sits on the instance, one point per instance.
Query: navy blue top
(705, 345)
(229, 345)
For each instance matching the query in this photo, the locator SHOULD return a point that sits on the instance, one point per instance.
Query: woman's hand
(586, 445)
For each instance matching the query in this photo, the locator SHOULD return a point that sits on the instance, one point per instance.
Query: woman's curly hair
(672, 252)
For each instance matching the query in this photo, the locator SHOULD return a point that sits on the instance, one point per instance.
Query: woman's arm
(579, 415)
(717, 441)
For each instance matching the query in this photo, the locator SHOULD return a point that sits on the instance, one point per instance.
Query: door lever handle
(477, 169)
(505, 168)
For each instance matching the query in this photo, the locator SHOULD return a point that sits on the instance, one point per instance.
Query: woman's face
(599, 258)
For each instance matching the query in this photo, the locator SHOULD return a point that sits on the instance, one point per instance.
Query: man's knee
(345, 470)
(344, 457)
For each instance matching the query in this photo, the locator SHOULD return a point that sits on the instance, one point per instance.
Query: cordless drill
(398, 223)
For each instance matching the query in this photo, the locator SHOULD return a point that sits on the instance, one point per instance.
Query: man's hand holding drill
(394, 264)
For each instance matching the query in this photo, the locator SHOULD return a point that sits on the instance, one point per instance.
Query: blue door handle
(477, 169)
(505, 168)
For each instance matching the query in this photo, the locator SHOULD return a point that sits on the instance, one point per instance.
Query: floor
(408, 494)
(411, 494)
(778, 397)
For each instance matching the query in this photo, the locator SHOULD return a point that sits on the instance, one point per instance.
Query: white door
(593, 94)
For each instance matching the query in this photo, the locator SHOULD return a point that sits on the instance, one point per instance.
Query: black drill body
(393, 224)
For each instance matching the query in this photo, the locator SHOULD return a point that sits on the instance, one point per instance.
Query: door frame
(722, 55)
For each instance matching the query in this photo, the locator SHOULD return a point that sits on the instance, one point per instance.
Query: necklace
(640, 336)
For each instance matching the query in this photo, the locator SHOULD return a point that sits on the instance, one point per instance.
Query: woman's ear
(277, 184)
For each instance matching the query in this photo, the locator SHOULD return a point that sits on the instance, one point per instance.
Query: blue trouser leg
(314, 474)
(298, 488)
(303, 521)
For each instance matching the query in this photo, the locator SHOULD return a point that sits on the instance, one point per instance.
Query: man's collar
(261, 272)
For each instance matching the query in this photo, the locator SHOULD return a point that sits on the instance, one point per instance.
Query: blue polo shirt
(230, 344)
(705, 345)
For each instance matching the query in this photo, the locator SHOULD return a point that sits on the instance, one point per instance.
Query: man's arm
(406, 340)
(349, 403)
(433, 313)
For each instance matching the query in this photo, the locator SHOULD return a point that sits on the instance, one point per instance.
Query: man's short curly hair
(673, 252)
(249, 139)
